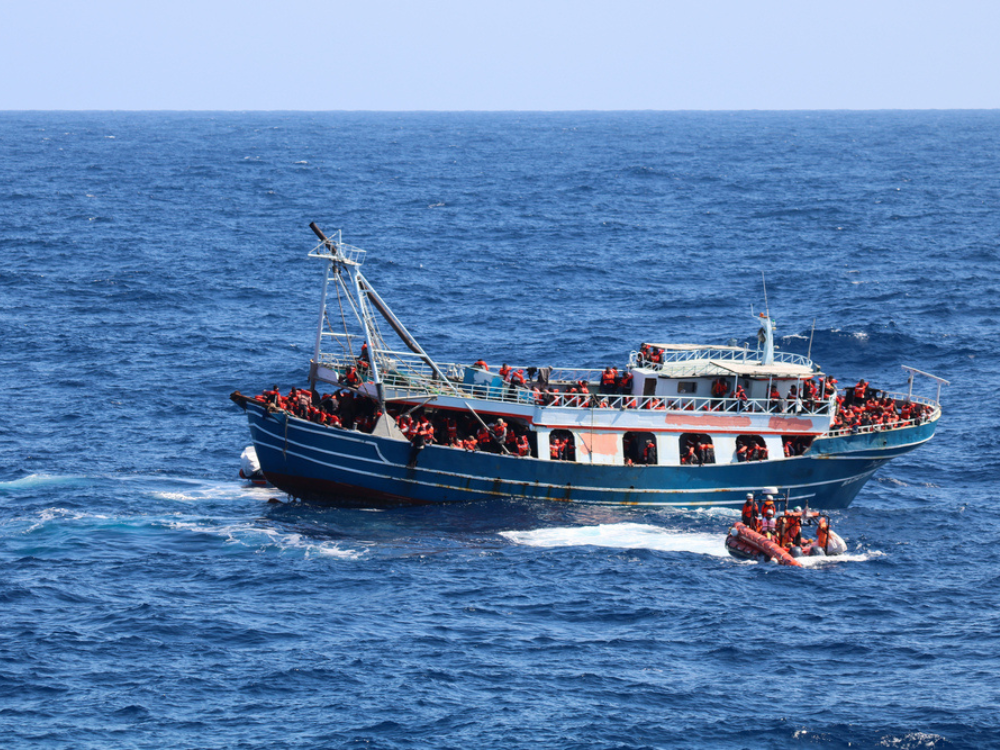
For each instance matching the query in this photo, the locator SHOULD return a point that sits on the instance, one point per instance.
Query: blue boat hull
(343, 467)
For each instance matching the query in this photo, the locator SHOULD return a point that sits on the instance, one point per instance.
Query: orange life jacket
(823, 533)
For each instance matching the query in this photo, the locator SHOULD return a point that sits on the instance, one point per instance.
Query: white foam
(622, 536)
(39, 480)
(48, 515)
(249, 535)
(913, 740)
(812, 562)
(201, 491)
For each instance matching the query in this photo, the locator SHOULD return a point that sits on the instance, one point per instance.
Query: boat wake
(622, 536)
(265, 539)
(200, 491)
(35, 481)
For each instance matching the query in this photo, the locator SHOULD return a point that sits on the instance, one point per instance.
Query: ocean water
(154, 262)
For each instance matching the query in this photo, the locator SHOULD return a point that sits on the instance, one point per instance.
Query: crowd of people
(857, 407)
(863, 406)
(785, 529)
(697, 450)
(350, 410)
(463, 431)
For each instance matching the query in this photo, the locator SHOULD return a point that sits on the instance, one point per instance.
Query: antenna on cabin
(767, 310)
(811, 334)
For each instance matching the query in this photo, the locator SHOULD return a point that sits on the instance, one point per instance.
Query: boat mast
(369, 301)
(338, 262)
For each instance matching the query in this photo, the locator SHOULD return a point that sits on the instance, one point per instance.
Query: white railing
(671, 356)
(898, 398)
(342, 251)
(407, 376)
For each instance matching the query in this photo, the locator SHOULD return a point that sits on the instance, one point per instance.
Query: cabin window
(795, 445)
(649, 387)
(562, 446)
(639, 448)
(687, 387)
(696, 449)
(750, 448)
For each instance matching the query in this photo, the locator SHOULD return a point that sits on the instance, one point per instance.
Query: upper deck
(550, 399)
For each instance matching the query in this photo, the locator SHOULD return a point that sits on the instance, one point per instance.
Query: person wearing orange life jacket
(740, 397)
(823, 532)
(691, 456)
(363, 360)
(792, 532)
(504, 371)
(774, 399)
(481, 365)
(517, 379)
(523, 446)
(451, 427)
(408, 426)
(720, 388)
(425, 430)
(558, 450)
(511, 440)
(483, 439)
(351, 379)
(768, 523)
(649, 453)
(469, 443)
(750, 512)
(607, 381)
(625, 384)
(859, 391)
(706, 451)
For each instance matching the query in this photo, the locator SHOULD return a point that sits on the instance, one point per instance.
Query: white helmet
(769, 497)
(749, 496)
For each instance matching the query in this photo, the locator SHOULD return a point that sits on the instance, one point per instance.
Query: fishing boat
(685, 425)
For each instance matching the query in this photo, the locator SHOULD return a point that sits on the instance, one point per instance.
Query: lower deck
(339, 466)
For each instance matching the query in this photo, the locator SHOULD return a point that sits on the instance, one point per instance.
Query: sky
(499, 55)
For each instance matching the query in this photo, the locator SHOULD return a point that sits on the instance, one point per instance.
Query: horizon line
(501, 111)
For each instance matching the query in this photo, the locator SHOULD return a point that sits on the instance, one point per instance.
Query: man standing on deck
(750, 511)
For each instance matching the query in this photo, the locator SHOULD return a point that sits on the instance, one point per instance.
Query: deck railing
(671, 357)
(899, 398)
(412, 378)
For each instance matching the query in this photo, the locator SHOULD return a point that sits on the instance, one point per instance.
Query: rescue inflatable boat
(749, 544)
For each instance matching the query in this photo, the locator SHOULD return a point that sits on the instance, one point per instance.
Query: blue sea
(152, 263)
